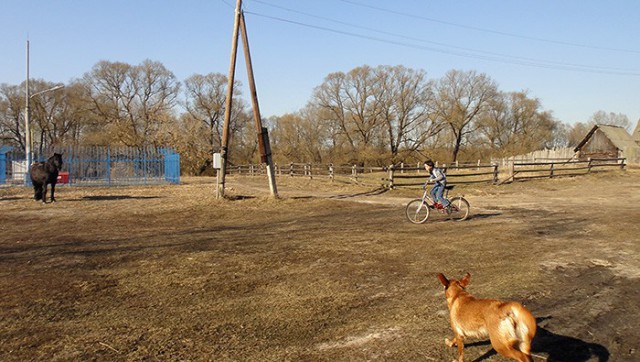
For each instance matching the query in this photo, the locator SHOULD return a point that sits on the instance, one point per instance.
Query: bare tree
(131, 103)
(577, 133)
(353, 104)
(205, 101)
(299, 137)
(461, 97)
(49, 124)
(205, 104)
(514, 124)
(610, 119)
(52, 122)
(11, 115)
(406, 106)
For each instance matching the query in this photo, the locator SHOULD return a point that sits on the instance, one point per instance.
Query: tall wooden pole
(27, 124)
(228, 101)
(263, 139)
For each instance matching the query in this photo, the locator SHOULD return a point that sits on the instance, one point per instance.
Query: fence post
(495, 173)
(69, 153)
(589, 165)
(108, 166)
(291, 169)
(551, 174)
(622, 163)
(401, 167)
(512, 168)
(354, 172)
(331, 172)
(391, 168)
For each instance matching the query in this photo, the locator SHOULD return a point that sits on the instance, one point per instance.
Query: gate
(171, 166)
(3, 163)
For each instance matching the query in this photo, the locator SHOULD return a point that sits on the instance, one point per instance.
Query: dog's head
(452, 286)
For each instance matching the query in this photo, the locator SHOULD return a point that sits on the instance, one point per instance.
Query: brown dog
(509, 325)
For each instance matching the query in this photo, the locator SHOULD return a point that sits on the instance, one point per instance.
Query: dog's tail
(523, 326)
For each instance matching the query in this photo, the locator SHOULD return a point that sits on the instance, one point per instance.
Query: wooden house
(609, 142)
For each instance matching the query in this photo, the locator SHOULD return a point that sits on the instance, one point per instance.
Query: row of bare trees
(392, 114)
(368, 115)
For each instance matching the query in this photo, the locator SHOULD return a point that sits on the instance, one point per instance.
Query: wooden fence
(391, 176)
(533, 170)
(456, 174)
(339, 173)
(554, 154)
(408, 176)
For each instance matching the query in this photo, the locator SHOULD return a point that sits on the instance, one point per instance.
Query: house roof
(636, 133)
(617, 135)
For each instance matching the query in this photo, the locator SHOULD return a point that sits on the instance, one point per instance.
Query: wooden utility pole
(263, 136)
(228, 102)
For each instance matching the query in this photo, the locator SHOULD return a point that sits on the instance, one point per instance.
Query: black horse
(43, 173)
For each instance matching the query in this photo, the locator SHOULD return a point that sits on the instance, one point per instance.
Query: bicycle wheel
(417, 211)
(459, 208)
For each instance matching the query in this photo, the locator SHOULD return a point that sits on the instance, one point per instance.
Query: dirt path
(328, 272)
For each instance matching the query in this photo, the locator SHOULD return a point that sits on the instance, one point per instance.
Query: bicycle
(418, 210)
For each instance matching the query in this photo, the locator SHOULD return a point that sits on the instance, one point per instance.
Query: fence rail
(460, 174)
(536, 170)
(408, 176)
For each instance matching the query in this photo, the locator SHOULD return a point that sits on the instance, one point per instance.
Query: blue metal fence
(103, 166)
(3, 163)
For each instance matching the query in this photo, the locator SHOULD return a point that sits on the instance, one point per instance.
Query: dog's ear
(465, 280)
(443, 280)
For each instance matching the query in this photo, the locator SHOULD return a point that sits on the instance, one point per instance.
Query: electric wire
(490, 31)
(493, 57)
(468, 52)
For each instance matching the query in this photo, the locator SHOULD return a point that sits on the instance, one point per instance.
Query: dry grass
(327, 272)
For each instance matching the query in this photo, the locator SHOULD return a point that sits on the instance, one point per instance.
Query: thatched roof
(617, 135)
(636, 133)
(620, 138)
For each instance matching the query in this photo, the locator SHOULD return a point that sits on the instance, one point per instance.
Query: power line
(460, 52)
(468, 52)
(228, 4)
(490, 31)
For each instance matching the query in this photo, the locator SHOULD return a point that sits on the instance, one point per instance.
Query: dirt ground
(328, 272)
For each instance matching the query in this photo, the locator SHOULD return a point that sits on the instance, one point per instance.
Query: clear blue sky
(576, 56)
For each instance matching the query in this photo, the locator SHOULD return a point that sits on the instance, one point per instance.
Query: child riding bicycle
(437, 176)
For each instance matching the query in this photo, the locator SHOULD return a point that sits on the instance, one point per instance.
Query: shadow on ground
(117, 197)
(556, 348)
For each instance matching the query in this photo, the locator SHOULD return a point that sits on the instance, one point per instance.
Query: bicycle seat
(449, 187)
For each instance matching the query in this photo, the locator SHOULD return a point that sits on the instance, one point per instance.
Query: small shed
(604, 141)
